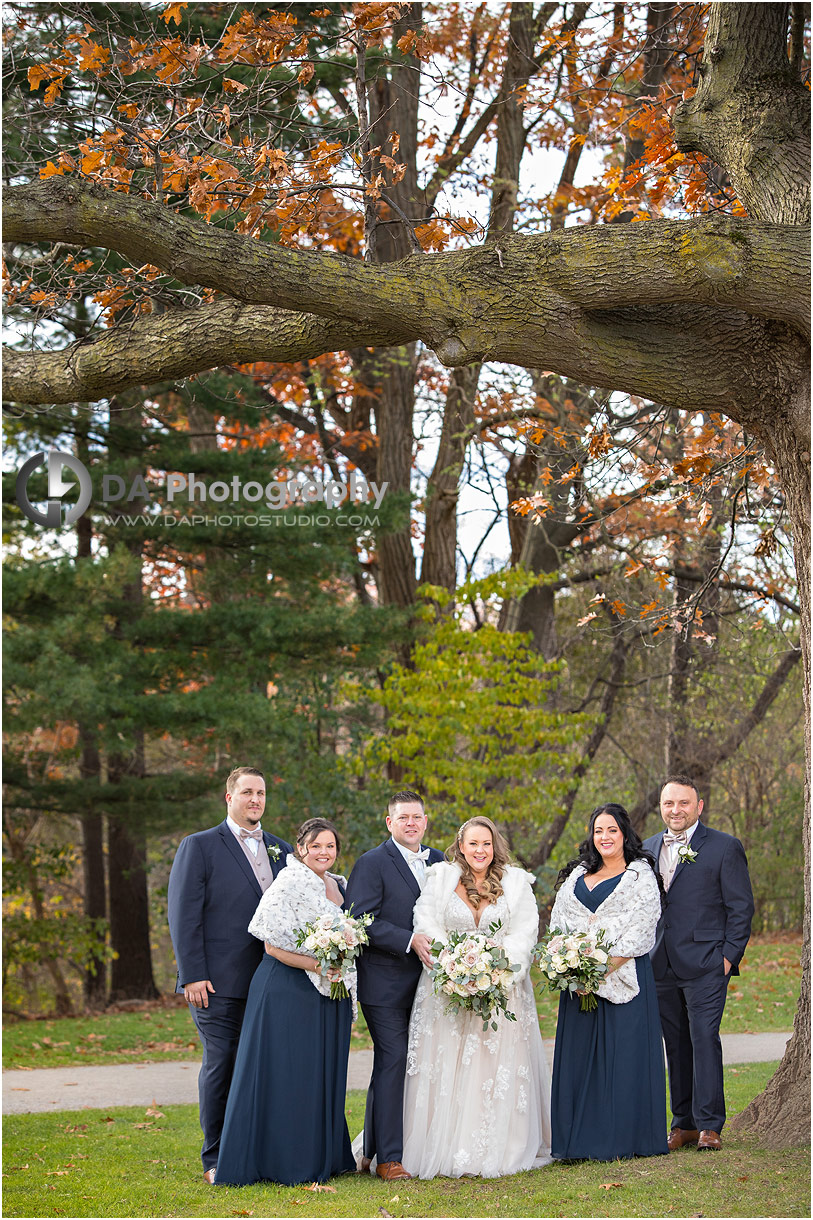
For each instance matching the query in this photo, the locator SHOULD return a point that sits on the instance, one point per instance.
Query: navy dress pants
(384, 1113)
(219, 1029)
(691, 1011)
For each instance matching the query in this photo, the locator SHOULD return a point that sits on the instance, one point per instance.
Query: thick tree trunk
(131, 975)
(95, 983)
(90, 769)
(131, 971)
(394, 410)
(751, 115)
(393, 106)
(781, 1114)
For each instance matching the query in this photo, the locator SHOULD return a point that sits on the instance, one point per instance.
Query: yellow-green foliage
(473, 721)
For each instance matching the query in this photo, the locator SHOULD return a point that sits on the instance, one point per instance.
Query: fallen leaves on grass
(609, 1185)
(242, 1213)
(153, 1111)
(322, 1186)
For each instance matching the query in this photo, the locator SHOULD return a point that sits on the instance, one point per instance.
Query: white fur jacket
(294, 898)
(520, 934)
(629, 916)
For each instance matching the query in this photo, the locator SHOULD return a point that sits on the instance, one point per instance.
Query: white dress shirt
(417, 864)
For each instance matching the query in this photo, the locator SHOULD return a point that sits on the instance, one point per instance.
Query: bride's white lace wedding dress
(476, 1102)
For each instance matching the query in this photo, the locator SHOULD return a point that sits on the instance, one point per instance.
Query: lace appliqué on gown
(475, 1102)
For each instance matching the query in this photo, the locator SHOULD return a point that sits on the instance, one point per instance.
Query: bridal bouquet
(473, 973)
(335, 941)
(574, 961)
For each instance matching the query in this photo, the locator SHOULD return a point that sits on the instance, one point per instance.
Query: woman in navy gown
(285, 1113)
(608, 1097)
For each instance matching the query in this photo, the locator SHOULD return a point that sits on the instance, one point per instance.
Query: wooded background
(541, 269)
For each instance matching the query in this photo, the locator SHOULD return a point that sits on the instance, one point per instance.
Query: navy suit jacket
(383, 884)
(213, 893)
(709, 907)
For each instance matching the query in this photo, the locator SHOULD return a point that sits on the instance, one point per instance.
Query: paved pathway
(139, 1084)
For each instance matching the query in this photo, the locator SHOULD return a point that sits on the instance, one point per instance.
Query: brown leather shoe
(364, 1166)
(209, 1176)
(392, 1171)
(709, 1142)
(678, 1138)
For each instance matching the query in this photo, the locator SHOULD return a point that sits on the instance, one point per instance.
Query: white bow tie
(421, 856)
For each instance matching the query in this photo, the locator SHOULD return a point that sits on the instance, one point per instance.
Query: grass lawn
(762, 999)
(128, 1162)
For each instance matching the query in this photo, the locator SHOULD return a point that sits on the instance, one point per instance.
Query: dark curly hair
(590, 856)
(310, 829)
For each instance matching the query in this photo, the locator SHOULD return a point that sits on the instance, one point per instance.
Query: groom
(218, 877)
(701, 938)
(386, 882)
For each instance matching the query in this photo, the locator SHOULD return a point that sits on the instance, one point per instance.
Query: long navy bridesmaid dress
(608, 1097)
(285, 1114)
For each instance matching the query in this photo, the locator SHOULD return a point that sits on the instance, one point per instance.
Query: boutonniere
(685, 854)
(274, 852)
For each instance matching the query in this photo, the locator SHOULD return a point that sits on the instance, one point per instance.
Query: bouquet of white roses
(335, 941)
(472, 971)
(574, 961)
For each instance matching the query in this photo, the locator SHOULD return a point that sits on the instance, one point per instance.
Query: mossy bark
(751, 114)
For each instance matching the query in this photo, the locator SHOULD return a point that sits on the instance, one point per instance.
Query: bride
(477, 1102)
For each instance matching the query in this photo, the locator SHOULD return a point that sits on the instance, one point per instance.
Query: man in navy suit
(386, 882)
(218, 877)
(701, 938)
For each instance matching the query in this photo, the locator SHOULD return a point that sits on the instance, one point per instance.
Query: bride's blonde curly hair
(492, 883)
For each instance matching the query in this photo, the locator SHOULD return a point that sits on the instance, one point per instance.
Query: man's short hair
(237, 773)
(405, 797)
(685, 781)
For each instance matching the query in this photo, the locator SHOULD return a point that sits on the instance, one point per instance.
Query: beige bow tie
(680, 837)
(251, 834)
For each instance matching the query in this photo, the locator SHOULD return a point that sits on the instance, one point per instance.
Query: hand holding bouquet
(335, 941)
(574, 961)
(472, 971)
